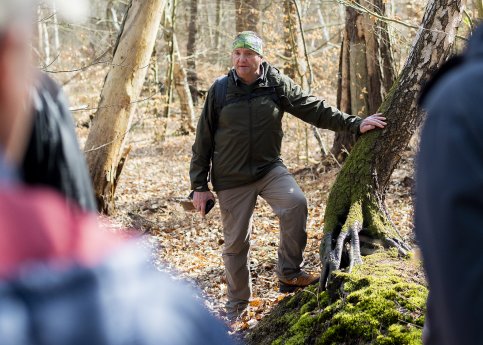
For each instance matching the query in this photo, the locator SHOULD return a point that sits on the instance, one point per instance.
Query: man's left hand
(371, 122)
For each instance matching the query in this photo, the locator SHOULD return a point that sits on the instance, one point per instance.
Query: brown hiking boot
(302, 280)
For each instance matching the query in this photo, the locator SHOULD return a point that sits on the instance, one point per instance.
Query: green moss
(375, 304)
(399, 334)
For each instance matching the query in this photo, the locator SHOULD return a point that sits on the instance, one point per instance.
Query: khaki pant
(288, 202)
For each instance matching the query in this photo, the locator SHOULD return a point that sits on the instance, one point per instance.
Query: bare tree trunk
(56, 31)
(366, 69)
(122, 86)
(191, 51)
(247, 15)
(38, 39)
(46, 44)
(478, 4)
(218, 24)
(169, 26)
(183, 91)
(325, 31)
(297, 64)
(292, 50)
(356, 217)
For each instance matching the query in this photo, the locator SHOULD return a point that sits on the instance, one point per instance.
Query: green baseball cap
(249, 40)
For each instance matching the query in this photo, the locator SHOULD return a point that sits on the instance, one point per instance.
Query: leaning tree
(356, 217)
(119, 96)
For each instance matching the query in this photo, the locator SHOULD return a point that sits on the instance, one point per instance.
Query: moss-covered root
(366, 228)
(332, 249)
(379, 303)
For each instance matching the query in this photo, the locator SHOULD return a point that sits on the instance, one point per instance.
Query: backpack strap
(221, 85)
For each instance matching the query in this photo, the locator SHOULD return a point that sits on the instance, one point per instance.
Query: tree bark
(247, 15)
(219, 12)
(55, 26)
(478, 4)
(291, 39)
(120, 92)
(169, 27)
(191, 51)
(366, 68)
(356, 217)
(46, 44)
(183, 91)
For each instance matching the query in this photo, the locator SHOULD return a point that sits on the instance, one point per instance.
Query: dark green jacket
(243, 142)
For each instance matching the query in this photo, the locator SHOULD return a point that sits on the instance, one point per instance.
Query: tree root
(342, 248)
(333, 254)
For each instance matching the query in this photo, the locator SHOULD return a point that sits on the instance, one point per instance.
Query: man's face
(15, 84)
(247, 63)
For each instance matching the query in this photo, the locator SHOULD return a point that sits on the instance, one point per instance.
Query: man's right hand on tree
(200, 199)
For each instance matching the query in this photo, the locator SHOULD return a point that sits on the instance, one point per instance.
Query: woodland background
(191, 49)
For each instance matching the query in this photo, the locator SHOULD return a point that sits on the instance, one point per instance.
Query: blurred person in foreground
(63, 279)
(238, 141)
(53, 157)
(449, 199)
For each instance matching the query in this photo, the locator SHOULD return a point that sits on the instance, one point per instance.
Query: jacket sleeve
(203, 145)
(314, 110)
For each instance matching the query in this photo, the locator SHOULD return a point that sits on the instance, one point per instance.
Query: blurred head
(247, 55)
(15, 77)
(16, 70)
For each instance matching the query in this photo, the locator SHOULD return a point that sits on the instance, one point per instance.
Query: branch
(95, 61)
(363, 9)
(117, 105)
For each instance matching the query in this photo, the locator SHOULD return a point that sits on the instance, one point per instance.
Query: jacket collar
(262, 79)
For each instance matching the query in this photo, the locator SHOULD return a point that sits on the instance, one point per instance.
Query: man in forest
(449, 199)
(239, 137)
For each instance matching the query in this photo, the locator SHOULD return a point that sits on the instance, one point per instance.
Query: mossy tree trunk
(366, 68)
(356, 216)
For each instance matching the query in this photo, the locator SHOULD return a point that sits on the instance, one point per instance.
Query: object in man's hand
(209, 203)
